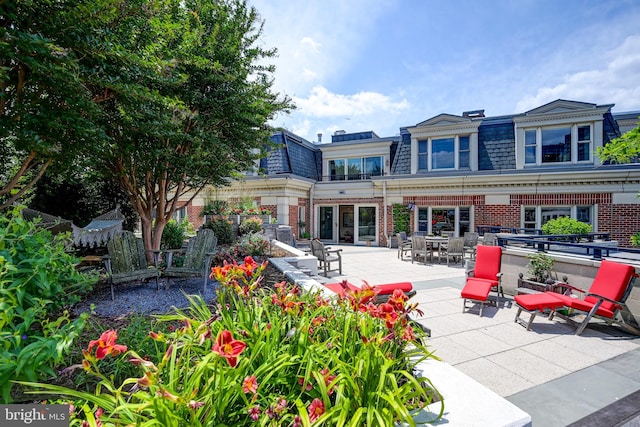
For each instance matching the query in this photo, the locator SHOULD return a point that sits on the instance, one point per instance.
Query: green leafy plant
(173, 235)
(566, 225)
(540, 266)
(635, 239)
(401, 219)
(254, 244)
(38, 279)
(223, 229)
(262, 356)
(250, 225)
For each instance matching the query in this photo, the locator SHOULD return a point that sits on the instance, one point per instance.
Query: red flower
(228, 348)
(398, 299)
(250, 384)
(388, 314)
(316, 409)
(106, 345)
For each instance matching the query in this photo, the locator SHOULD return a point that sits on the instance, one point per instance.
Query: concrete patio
(555, 376)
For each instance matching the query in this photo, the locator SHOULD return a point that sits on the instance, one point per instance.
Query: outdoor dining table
(432, 242)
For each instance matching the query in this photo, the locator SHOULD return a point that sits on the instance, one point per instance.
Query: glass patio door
(367, 224)
(327, 228)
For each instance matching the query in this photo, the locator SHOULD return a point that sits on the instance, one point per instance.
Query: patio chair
(419, 249)
(404, 245)
(453, 249)
(484, 277)
(470, 243)
(490, 239)
(326, 256)
(127, 261)
(197, 257)
(604, 300)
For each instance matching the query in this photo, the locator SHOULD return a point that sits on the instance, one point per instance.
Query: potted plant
(541, 276)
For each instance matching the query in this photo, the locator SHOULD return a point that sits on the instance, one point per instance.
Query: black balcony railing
(350, 177)
(594, 245)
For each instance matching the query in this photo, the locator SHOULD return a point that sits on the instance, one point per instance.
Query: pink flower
(250, 384)
(316, 409)
(254, 413)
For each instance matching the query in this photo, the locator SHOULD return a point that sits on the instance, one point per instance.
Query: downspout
(312, 209)
(384, 202)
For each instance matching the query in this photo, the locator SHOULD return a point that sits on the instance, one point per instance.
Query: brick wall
(502, 215)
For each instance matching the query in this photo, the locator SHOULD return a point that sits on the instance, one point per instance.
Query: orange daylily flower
(228, 347)
(106, 345)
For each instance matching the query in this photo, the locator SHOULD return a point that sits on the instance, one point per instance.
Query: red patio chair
(486, 276)
(604, 299)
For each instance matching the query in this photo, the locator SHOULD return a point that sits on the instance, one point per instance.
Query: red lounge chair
(383, 291)
(486, 277)
(604, 299)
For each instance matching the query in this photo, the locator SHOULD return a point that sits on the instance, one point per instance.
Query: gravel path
(144, 297)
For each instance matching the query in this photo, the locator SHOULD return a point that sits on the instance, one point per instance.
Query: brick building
(454, 172)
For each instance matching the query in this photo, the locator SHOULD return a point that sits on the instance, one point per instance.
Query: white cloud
(322, 103)
(618, 81)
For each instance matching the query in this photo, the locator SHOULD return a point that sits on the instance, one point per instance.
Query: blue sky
(359, 65)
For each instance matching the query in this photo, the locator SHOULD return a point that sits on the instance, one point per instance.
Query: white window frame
(574, 144)
(573, 214)
(362, 174)
(456, 152)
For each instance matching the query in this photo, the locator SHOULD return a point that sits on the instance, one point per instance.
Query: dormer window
(566, 144)
(444, 153)
(446, 142)
(560, 133)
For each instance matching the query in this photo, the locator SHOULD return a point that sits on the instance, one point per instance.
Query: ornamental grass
(262, 356)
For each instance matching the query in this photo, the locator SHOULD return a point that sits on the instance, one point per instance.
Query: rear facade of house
(454, 173)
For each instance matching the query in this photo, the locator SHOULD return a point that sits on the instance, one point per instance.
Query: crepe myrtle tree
(193, 111)
(46, 112)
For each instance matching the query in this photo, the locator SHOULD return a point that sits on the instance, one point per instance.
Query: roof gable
(443, 120)
(561, 106)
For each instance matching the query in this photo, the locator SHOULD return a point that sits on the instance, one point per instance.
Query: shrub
(635, 239)
(263, 357)
(222, 228)
(254, 244)
(38, 280)
(250, 225)
(566, 225)
(173, 235)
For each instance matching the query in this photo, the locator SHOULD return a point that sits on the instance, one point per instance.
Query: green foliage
(254, 244)
(37, 280)
(215, 207)
(173, 235)
(250, 225)
(46, 111)
(540, 266)
(635, 239)
(623, 149)
(401, 219)
(566, 225)
(263, 357)
(222, 228)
